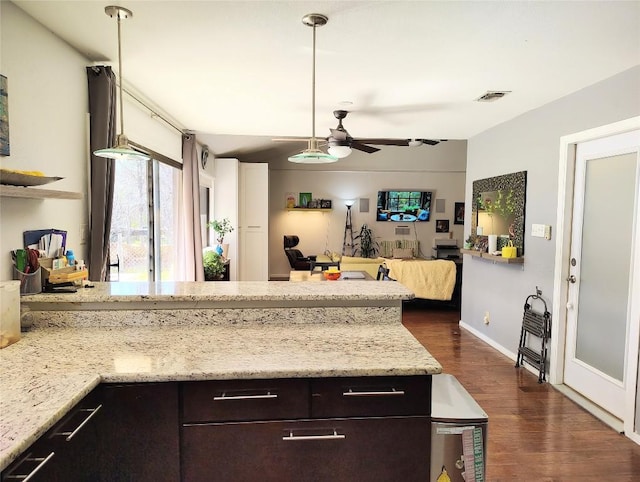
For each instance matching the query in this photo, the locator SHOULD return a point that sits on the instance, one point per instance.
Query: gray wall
(531, 143)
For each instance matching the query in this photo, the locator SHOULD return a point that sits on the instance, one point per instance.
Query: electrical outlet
(486, 318)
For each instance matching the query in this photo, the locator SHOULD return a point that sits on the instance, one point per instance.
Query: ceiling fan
(341, 143)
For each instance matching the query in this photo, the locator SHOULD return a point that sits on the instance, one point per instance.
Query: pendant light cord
(313, 87)
(120, 74)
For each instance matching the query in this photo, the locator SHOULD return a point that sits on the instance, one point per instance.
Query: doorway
(594, 349)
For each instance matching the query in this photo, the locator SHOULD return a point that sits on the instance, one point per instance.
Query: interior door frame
(561, 271)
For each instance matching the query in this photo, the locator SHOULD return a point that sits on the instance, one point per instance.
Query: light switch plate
(537, 230)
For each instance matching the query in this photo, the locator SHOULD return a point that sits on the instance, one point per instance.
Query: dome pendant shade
(312, 154)
(122, 150)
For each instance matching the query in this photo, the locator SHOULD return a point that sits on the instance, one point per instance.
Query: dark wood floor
(535, 432)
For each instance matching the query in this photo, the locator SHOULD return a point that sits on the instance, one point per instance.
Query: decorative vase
(219, 249)
(225, 250)
(493, 243)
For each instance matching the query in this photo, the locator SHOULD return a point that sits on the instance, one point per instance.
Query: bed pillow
(402, 253)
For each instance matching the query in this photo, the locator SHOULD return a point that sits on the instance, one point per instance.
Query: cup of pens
(27, 270)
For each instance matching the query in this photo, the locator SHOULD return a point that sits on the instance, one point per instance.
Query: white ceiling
(410, 68)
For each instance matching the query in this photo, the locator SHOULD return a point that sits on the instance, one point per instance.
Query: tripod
(348, 247)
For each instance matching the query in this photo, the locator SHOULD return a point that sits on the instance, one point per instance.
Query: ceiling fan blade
(364, 148)
(385, 142)
(431, 142)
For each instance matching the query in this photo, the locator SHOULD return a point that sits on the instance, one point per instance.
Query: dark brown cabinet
(68, 451)
(140, 433)
(363, 428)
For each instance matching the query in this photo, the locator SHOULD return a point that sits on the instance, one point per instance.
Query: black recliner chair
(297, 260)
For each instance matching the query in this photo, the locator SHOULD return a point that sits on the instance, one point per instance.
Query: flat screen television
(404, 206)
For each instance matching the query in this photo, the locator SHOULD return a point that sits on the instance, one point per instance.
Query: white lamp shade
(339, 151)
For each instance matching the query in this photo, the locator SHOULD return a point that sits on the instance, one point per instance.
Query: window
(145, 204)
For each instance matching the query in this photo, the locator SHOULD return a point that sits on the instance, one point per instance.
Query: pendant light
(312, 154)
(122, 149)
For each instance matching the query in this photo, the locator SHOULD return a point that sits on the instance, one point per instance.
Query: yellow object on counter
(510, 251)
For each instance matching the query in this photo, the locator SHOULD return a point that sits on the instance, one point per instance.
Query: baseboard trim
(602, 415)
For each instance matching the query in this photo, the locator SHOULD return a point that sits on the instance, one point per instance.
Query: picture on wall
(459, 213)
(290, 200)
(442, 226)
(304, 199)
(4, 117)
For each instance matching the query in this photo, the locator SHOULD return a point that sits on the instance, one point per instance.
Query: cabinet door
(376, 449)
(68, 451)
(254, 222)
(141, 433)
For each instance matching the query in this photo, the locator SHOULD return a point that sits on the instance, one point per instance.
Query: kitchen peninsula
(301, 339)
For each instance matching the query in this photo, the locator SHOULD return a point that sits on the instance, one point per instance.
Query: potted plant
(213, 266)
(368, 246)
(221, 228)
(470, 242)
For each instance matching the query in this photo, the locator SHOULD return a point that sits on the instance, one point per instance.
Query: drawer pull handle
(70, 435)
(224, 396)
(334, 436)
(26, 478)
(392, 392)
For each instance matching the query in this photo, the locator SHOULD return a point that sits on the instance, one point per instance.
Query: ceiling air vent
(492, 95)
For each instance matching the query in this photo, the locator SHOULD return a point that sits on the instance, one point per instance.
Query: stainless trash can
(458, 433)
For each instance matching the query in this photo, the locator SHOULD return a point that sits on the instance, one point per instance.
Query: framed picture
(458, 213)
(442, 226)
(325, 203)
(304, 199)
(290, 200)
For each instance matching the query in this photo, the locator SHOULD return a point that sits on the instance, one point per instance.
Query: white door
(254, 222)
(601, 310)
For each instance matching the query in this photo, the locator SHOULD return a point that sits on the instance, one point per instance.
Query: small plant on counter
(470, 242)
(213, 266)
(368, 246)
(221, 228)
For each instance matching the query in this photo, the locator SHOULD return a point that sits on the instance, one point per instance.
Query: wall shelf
(491, 257)
(37, 193)
(320, 210)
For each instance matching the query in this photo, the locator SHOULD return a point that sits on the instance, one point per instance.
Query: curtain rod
(160, 116)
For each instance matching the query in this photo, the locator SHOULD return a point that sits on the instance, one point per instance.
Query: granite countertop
(238, 291)
(50, 369)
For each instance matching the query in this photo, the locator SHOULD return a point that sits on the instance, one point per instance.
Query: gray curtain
(102, 110)
(190, 233)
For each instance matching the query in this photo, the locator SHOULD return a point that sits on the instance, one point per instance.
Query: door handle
(571, 279)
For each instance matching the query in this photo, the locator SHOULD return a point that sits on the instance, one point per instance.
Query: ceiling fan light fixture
(122, 150)
(313, 155)
(415, 142)
(339, 151)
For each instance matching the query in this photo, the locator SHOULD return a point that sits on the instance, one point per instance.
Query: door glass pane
(130, 222)
(605, 263)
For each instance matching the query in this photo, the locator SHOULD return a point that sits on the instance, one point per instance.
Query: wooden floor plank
(535, 433)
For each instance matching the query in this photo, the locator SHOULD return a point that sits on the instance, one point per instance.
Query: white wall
(531, 143)
(48, 123)
(439, 168)
(48, 129)
(225, 205)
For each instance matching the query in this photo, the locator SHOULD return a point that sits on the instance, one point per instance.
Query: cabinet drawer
(371, 396)
(379, 449)
(244, 400)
